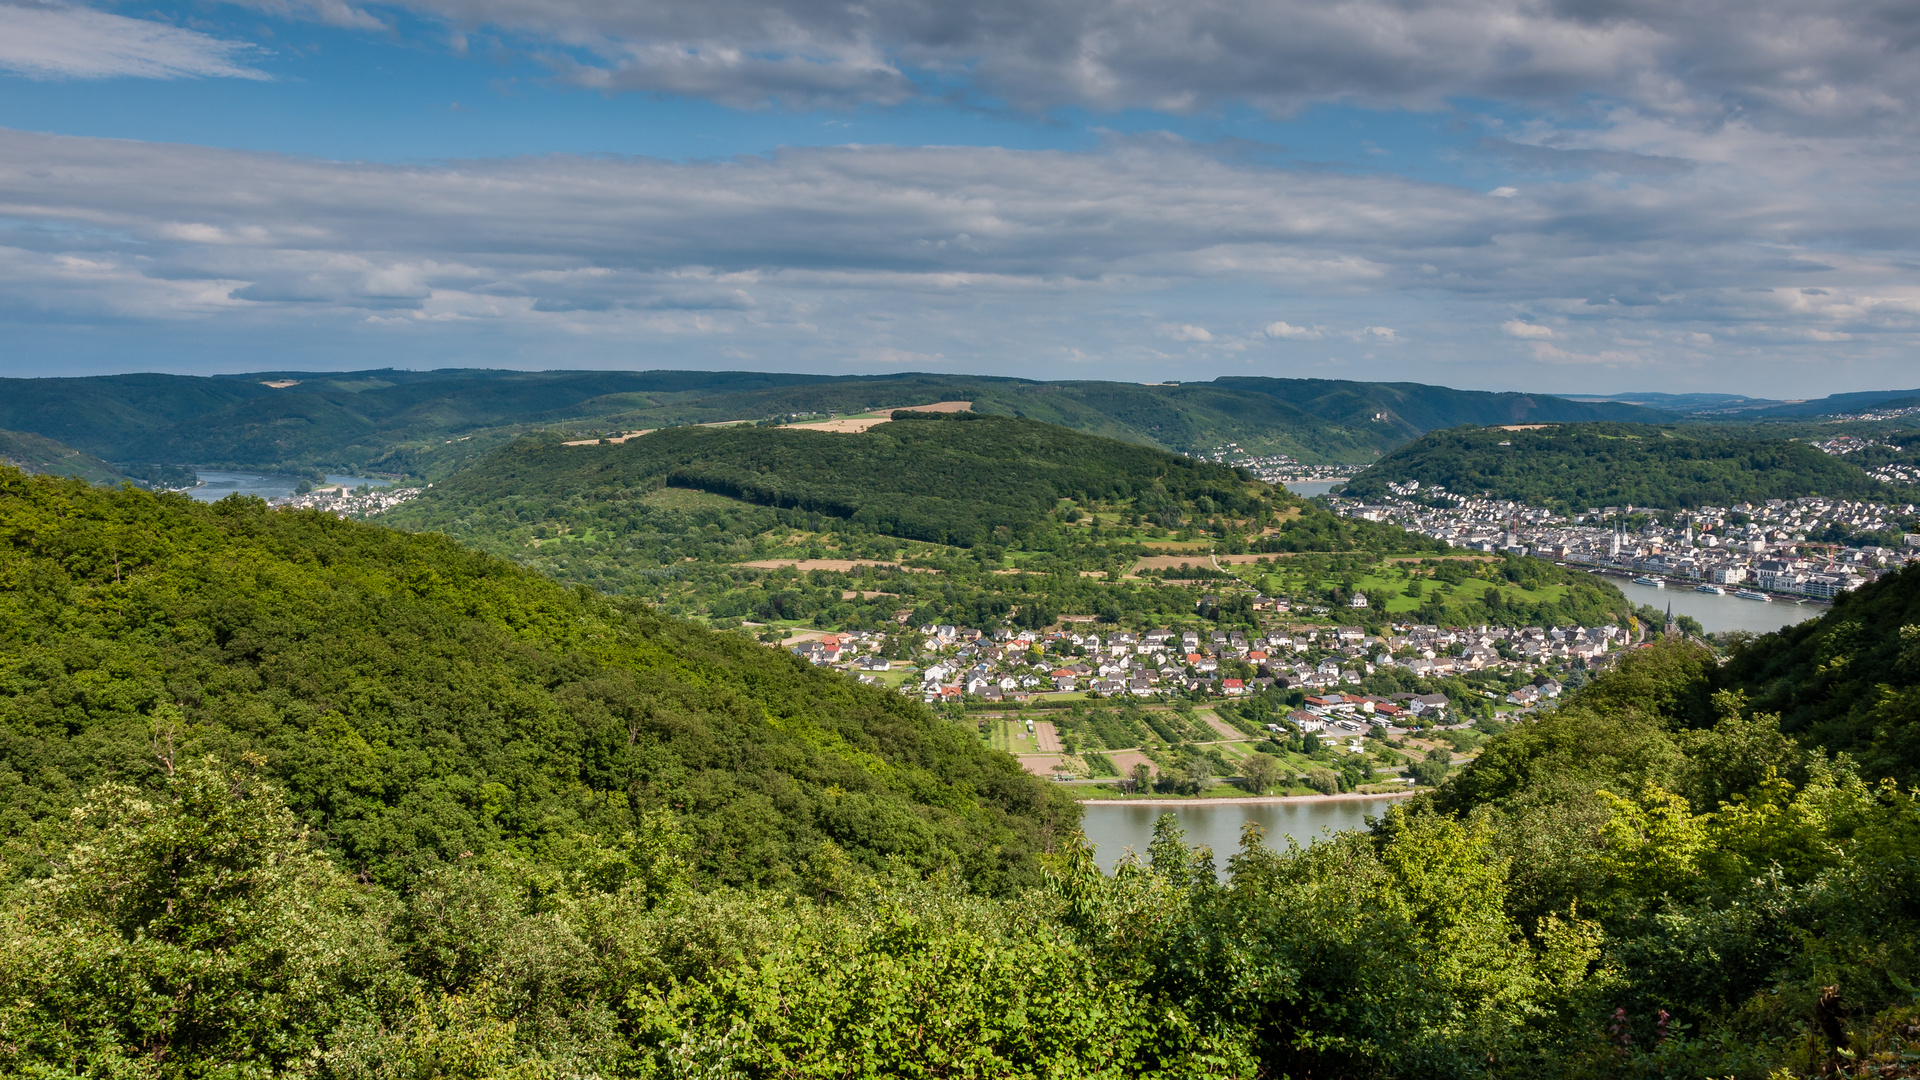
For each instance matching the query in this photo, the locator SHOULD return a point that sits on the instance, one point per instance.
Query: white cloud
(1776, 64)
(836, 253)
(61, 41)
(1504, 192)
(1295, 333)
(1185, 332)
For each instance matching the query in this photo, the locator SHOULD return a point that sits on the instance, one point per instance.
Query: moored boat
(1749, 594)
(1710, 590)
(1653, 581)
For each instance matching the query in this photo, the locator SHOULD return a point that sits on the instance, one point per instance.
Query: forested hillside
(1576, 466)
(956, 479)
(1849, 680)
(419, 704)
(38, 454)
(958, 517)
(427, 424)
(1613, 890)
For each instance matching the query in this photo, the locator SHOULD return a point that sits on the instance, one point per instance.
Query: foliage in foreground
(200, 932)
(418, 702)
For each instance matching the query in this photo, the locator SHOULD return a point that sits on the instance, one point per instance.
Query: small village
(1755, 551)
(343, 501)
(1328, 664)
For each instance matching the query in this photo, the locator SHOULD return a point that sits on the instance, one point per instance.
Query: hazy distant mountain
(1683, 403)
(1750, 407)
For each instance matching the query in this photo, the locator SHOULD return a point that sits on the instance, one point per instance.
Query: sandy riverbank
(1248, 800)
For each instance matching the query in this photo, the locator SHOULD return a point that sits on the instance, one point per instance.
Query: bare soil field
(1041, 765)
(1125, 760)
(848, 425)
(616, 439)
(1046, 739)
(1226, 730)
(854, 425)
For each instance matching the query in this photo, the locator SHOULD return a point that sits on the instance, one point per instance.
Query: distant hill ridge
(1575, 466)
(40, 455)
(429, 423)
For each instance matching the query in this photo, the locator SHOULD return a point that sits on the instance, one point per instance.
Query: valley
(774, 736)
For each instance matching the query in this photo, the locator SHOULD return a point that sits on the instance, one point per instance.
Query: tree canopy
(420, 703)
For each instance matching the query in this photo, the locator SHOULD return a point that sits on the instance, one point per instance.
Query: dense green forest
(1849, 680)
(427, 424)
(961, 479)
(957, 518)
(291, 796)
(418, 703)
(1576, 466)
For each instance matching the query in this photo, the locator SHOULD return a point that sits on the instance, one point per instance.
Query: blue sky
(1480, 193)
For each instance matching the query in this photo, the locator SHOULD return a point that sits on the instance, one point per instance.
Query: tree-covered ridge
(429, 423)
(38, 454)
(1849, 680)
(421, 702)
(1576, 466)
(997, 516)
(958, 479)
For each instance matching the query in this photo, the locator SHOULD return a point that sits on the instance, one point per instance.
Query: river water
(1112, 829)
(216, 484)
(1719, 613)
(1307, 489)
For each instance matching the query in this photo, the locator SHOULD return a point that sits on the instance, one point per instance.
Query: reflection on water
(217, 484)
(1309, 488)
(1718, 613)
(1114, 828)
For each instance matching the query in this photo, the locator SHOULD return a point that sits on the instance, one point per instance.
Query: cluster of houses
(1275, 469)
(1352, 713)
(342, 501)
(1762, 547)
(958, 663)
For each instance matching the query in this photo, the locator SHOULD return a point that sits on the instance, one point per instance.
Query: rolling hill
(1575, 466)
(430, 423)
(417, 701)
(40, 455)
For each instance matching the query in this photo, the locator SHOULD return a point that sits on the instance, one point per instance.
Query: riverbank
(1251, 800)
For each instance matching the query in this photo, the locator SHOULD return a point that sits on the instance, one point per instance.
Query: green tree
(200, 933)
(1261, 771)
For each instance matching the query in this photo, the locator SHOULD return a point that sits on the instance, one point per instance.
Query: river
(1113, 828)
(217, 484)
(1720, 613)
(1307, 489)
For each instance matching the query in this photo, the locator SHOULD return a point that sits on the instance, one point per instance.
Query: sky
(1563, 196)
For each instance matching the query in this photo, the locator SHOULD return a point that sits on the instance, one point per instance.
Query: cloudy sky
(1552, 195)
